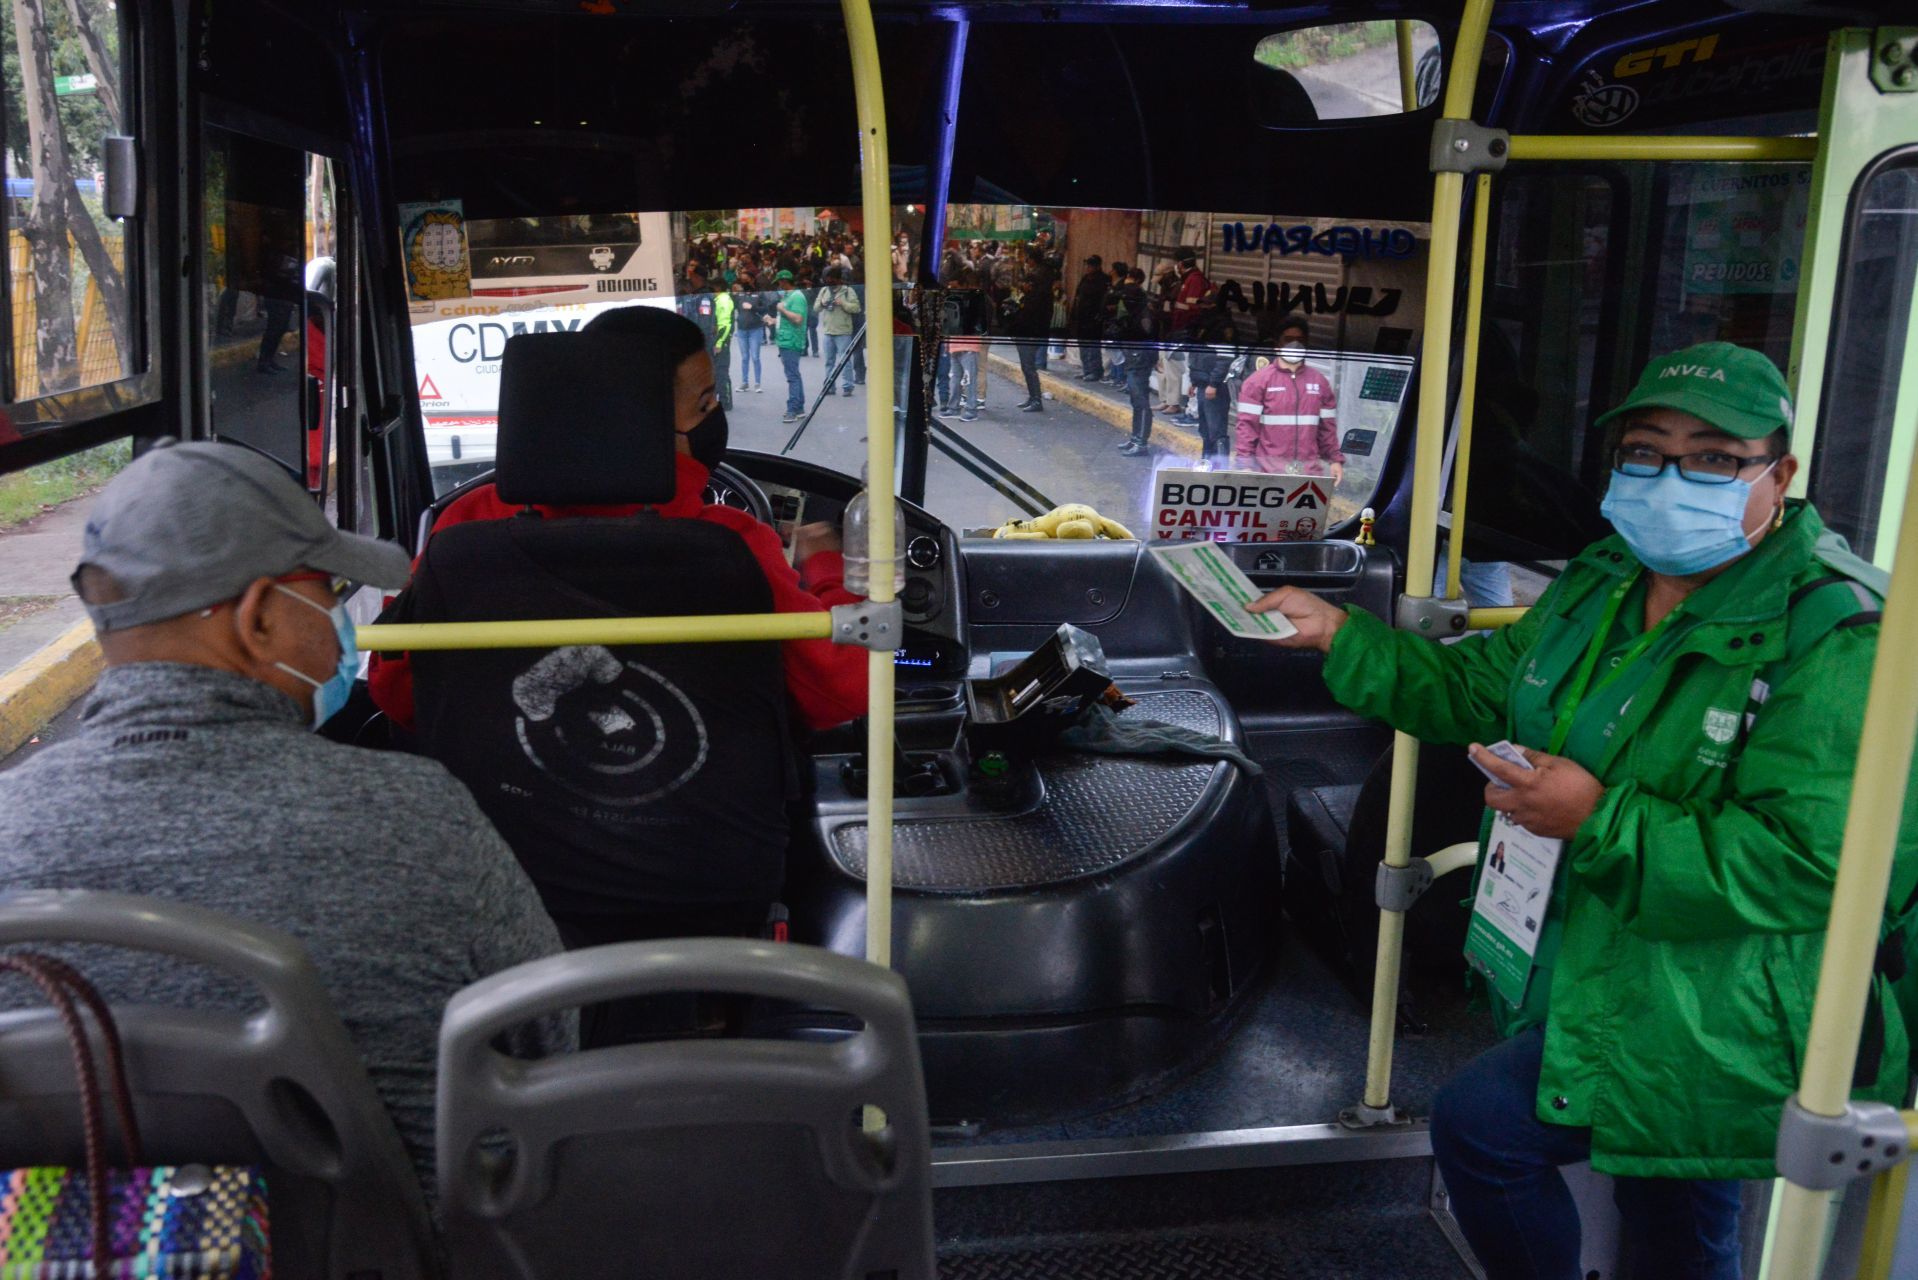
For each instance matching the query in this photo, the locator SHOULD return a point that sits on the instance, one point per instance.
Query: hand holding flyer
(1210, 577)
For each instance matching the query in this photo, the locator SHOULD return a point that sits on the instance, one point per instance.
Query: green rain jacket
(1676, 967)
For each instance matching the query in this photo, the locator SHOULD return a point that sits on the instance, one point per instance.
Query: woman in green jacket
(1689, 695)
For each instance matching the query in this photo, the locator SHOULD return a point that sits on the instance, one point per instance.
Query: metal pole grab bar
(1441, 273)
(1858, 897)
(1492, 618)
(1468, 382)
(420, 637)
(875, 186)
(1408, 66)
(1545, 146)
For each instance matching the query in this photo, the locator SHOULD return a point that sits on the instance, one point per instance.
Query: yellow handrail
(1421, 557)
(1493, 617)
(1408, 66)
(1858, 897)
(875, 187)
(1468, 382)
(556, 633)
(1545, 146)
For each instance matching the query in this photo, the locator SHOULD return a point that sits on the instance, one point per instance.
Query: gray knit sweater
(196, 784)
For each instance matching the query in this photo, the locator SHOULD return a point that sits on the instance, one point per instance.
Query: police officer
(1688, 698)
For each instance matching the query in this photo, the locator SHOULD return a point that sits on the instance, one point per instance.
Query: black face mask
(707, 441)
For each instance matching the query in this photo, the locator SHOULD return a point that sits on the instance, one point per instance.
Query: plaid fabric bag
(182, 1222)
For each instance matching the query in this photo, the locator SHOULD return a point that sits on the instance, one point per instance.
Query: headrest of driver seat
(585, 419)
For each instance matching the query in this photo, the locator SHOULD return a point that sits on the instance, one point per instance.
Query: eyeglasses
(337, 585)
(1709, 467)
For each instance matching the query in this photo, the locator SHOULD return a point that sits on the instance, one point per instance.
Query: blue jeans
(1138, 386)
(965, 378)
(902, 372)
(836, 346)
(942, 378)
(795, 389)
(751, 338)
(1501, 1165)
(1486, 583)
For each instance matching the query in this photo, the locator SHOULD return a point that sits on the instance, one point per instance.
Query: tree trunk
(99, 60)
(55, 345)
(106, 273)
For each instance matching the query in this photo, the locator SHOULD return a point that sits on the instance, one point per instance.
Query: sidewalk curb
(1177, 439)
(43, 686)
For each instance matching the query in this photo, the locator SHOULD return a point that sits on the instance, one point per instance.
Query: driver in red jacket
(826, 682)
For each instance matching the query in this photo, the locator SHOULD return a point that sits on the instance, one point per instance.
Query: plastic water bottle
(856, 537)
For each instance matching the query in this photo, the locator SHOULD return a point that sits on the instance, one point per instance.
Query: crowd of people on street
(1173, 339)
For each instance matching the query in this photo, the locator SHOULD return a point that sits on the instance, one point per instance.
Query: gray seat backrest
(278, 1085)
(689, 1158)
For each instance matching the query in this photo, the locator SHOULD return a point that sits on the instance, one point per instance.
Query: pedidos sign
(1239, 506)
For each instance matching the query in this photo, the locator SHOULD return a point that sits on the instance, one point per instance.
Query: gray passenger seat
(686, 1159)
(281, 1086)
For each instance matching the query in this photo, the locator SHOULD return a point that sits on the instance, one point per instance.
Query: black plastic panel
(1019, 592)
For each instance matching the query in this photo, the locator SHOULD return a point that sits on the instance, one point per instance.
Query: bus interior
(1143, 986)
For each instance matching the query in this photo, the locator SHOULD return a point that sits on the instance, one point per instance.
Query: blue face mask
(329, 695)
(1677, 526)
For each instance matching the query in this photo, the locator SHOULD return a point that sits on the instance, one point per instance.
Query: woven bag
(182, 1222)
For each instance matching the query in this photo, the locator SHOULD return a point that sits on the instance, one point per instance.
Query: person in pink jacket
(1288, 414)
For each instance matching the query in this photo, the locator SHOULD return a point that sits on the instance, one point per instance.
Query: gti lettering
(1311, 299)
(1333, 242)
(467, 343)
(1666, 56)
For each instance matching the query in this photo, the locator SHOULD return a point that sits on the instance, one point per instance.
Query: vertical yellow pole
(875, 186)
(1468, 380)
(1882, 1222)
(1408, 67)
(1421, 555)
(1858, 898)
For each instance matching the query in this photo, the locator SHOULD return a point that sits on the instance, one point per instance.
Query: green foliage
(83, 119)
(26, 494)
(1316, 46)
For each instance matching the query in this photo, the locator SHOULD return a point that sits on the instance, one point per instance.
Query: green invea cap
(1736, 389)
(784, 275)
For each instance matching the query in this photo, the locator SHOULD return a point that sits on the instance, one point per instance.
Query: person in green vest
(790, 338)
(1689, 695)
(723, 342)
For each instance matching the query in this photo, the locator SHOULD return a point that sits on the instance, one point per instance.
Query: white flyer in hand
(1217, 584)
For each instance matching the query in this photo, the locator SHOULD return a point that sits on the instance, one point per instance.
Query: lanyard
(1582, 682)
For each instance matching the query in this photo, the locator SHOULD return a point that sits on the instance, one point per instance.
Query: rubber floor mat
(1181, 1257)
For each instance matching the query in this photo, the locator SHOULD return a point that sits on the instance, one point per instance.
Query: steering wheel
(728, 486)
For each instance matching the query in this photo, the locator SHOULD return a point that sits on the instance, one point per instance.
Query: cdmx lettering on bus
(1333, 242)
(469, 342)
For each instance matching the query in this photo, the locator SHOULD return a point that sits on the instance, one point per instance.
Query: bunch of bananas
(1073, 520)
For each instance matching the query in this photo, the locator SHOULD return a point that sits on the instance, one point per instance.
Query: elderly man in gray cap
(214, 584)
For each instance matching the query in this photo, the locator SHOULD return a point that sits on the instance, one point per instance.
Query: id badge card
(1514, 889)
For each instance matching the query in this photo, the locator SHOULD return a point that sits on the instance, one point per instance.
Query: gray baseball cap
(191, 525)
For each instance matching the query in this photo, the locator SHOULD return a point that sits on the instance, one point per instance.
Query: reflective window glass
(67, 262)
(271, 250)
(1868, 338)
(1348, 71)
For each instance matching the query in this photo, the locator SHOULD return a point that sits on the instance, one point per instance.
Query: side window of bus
(71, 299)
(1545, 342)
(1869, 331)
(270, 282)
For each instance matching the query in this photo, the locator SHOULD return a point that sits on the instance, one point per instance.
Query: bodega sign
(1238, 506)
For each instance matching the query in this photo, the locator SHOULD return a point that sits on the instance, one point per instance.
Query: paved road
(1068, 455)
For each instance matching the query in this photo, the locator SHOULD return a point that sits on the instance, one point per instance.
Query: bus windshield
(1073, 355)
